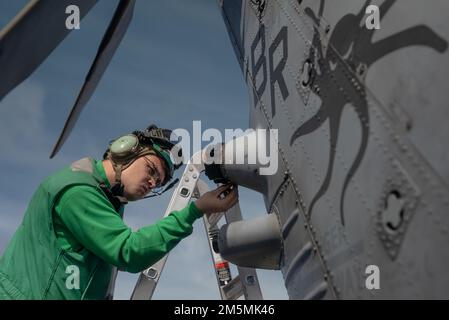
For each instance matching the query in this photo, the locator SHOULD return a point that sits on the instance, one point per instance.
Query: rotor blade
(108, 46)
(31, 37)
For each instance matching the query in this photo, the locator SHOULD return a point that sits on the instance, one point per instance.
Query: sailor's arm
(94, 223)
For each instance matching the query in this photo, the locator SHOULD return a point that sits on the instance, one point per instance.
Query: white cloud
(22, 116)
(25, 139)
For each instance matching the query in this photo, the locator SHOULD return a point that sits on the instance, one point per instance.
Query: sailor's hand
(219, 200)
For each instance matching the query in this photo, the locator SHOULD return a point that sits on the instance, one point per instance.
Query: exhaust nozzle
(254, 243)
(244, 160)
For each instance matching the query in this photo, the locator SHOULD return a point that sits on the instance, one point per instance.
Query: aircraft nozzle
(254, 243)
(244, 161)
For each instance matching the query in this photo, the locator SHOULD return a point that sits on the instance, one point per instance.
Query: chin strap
(118, 168)
(115, 195)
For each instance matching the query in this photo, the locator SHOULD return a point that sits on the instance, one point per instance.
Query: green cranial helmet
(152, 141)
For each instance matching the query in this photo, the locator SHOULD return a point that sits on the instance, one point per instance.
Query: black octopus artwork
(353, 41)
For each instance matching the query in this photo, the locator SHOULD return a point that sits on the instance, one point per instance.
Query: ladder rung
(214, 218)
(234, 289)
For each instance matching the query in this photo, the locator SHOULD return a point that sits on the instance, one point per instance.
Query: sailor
(72, 233)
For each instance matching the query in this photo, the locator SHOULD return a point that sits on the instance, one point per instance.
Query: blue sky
(175, 65)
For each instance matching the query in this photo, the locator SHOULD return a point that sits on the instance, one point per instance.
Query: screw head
(250, 280)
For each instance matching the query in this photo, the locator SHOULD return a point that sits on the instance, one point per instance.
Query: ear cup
(124, 148)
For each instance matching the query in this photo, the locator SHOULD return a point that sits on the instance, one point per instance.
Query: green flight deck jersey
(73, 228)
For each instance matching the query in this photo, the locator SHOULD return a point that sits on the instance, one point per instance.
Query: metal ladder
(245, 284)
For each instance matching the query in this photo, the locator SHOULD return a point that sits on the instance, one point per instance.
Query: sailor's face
(143, 175)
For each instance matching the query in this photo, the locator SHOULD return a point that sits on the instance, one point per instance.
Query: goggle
(154, 174)
(159, 185)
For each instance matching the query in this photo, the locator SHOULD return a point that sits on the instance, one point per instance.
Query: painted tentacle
(310, 125)
(334, 126)
(364, 117)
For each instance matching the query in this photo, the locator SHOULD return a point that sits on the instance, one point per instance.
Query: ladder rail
(149, 278)
(245, 284)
